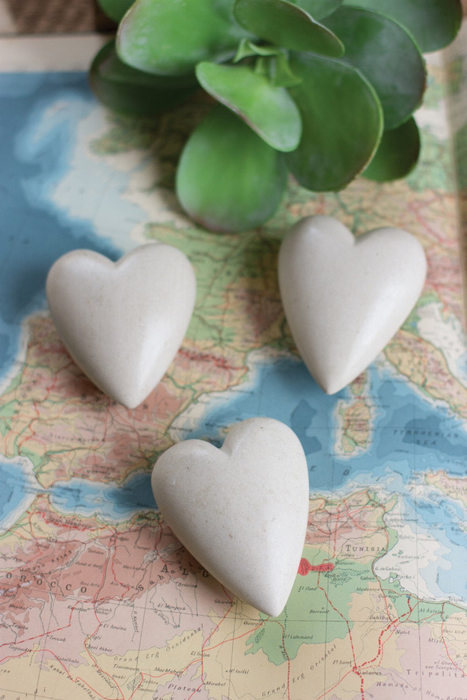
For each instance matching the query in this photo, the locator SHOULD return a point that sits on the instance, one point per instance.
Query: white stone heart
(123, 322)
(241, 510)
(345, 297)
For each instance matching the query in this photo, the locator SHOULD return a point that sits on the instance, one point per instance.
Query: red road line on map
(396, 623)
(220, 621)
(14, 656)
(138, 686)
(226, 641)
(203, 646)
(329, 690)
(90, 636)
(234, 639)
(48, 390)
(43, 634)
(355, 667)
(446, 647)
(78, 678)
(29, 427)
(337, 516)
(196, 690)
(59, 661)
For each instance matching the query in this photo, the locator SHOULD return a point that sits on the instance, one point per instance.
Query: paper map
(97, 598)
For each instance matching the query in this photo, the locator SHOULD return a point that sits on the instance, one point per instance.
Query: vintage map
(98, 600)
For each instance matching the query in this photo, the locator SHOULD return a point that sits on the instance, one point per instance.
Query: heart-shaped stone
(345, 297)
(123, 322)
(241, 510)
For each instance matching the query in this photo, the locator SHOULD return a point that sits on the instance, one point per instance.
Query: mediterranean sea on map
(409, 433)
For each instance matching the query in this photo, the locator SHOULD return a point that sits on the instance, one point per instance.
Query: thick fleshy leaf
(169, 37)
(387, 55)
(433, 23)
(229, 179)
(262, 65)
(247, 48)
(132, 92)
(115, 9)
(397, 154)
(286, 24)
(342, 123)
(280, 73)
(270, 111)
(318, 8)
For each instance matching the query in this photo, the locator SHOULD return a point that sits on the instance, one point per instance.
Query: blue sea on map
(410, 433)
(36, 144)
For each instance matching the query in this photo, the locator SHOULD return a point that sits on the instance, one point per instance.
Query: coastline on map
(106, 502)
(190, 419)
(19, 488)
(14, 367)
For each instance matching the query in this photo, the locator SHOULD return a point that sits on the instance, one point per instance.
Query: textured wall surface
(51, 16)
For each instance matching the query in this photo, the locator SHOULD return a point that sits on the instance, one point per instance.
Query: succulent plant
(323, 89)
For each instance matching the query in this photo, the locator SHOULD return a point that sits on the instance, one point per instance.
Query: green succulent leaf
(268, 110)
(433, 23)
(387, 55)
(133, 93)
(169, 37)
(286, 24)
(115, 9)
(318, 8)
(262, 66)
(249, 48)
(397, 154)
(280, 73)
(342, 123)
(228, 178)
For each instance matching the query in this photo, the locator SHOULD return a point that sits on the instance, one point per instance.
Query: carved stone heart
(123, 322)
(241, 510)
(345, 297)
